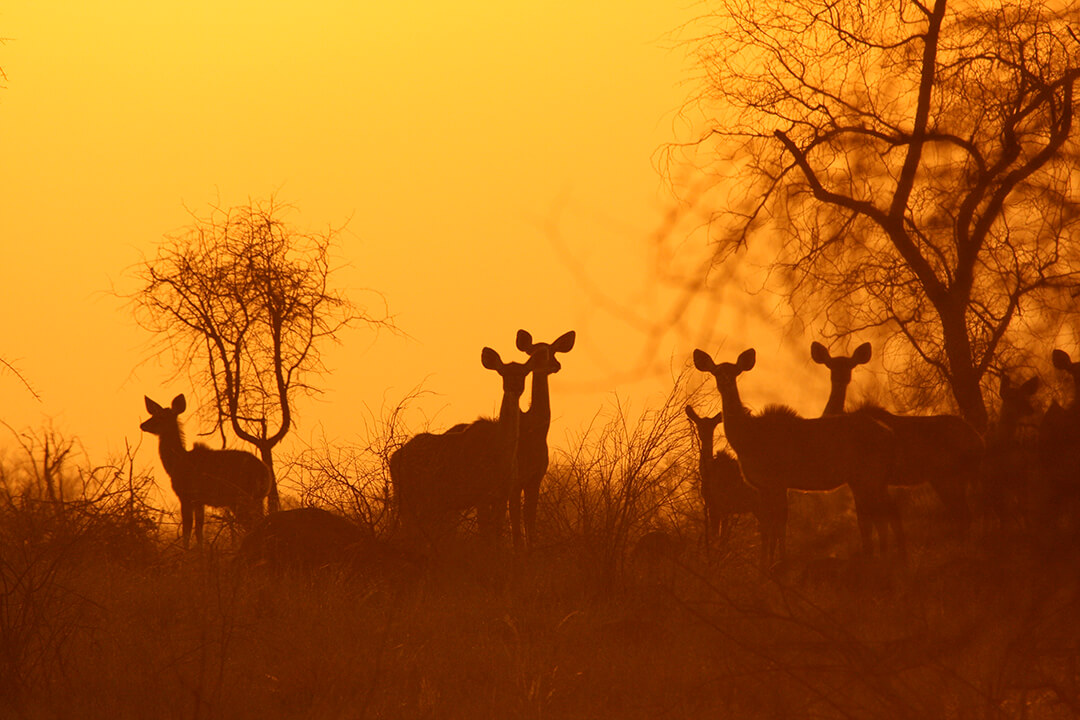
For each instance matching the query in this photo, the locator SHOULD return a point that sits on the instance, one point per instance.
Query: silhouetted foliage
(242, 301)
(60, 514)
(915, 164)
(617, 612)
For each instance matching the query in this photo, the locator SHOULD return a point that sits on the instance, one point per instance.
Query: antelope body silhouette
(303, 538)
(474, 465)
(723, 489)
(1005, 477)
(535, 422)
(1059, 443)
(232, 479)
(943, 450)
(779, 450)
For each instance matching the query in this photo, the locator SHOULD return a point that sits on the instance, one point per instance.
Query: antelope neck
(509, 416)
(539, 412)
(171, 449)
(706, 439)
(736, 417)
(837, 396)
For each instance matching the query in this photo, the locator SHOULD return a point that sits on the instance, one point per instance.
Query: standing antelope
(1059, 443)
(535, 422)
(840, 368)
(435, 476)
(779, 451)
(943, 450)
(233, 479)
(1005, 477)
(722, 486)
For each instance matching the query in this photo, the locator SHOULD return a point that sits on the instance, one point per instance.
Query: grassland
(103, 615)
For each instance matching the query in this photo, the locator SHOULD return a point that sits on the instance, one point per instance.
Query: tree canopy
(243, 303)
(918, 161)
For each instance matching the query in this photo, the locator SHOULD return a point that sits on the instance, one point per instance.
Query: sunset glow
(482, 158)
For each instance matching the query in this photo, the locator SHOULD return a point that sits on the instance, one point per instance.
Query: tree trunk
(963, 376)
(273, 501)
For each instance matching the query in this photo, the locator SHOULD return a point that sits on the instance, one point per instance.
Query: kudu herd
(495, 467)
(780, 451)
(486, 465)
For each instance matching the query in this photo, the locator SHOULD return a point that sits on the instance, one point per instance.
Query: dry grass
(100, 617)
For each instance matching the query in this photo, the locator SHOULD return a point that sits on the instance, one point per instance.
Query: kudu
(943, 450)
(310, 540)
(232, 479)
(840, 368)
(779, 451)
(437, 476)
(723, 489)
(1006, 465)
(535, 422)
(299, 539)
(1059, 444)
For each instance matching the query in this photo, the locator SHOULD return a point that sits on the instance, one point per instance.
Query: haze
(492, 164)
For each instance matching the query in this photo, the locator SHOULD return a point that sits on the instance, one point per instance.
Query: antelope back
(221, 478)
(931, 446)
(781, 450)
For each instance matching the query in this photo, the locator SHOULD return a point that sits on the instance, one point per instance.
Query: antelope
(535, 422)
(1059, 440)
(723, 489)
(1006, 467)
(232, 479)
(840, 368)
(778, 451)
(944, 450)
(474, 465)
(302, 538)
(310, 539)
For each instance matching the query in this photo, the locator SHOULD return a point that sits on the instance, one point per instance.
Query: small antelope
(722, 486)
(232, 479)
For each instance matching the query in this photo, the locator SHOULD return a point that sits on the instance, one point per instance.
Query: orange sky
(451, 136)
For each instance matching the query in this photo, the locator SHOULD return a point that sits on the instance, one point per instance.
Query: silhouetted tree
(917, 160)
(242, 302)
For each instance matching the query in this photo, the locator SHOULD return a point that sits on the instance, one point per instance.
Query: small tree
(242, 302)
(918, 160)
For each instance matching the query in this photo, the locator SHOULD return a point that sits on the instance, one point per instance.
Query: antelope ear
(691, 414)
(179, 403)
(703, 362)
(151, 407)
(490, 359)
(524, 341)
(1031, 385)
(746, 360)
(818, 353)
(718, 417)
(565, 343)
(861, 356)
(1061, 359)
